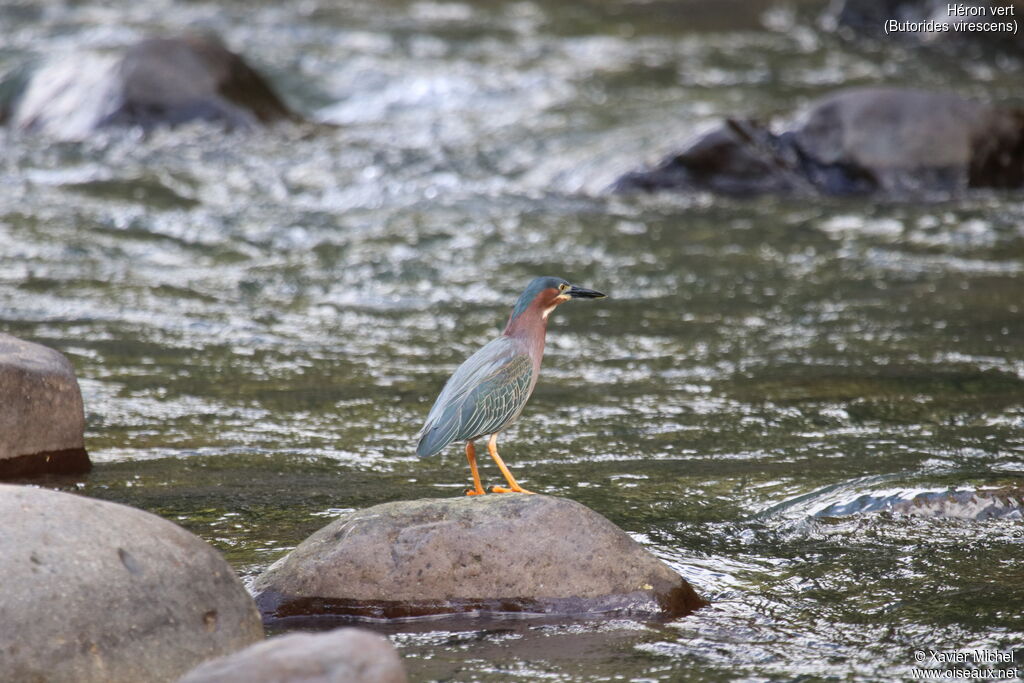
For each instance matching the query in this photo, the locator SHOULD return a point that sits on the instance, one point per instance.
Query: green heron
(490, 389)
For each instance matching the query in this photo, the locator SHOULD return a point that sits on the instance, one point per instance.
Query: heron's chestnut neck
(532, 321)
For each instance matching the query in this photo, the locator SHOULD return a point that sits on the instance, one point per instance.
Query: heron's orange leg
(513, 485)
(477, 489)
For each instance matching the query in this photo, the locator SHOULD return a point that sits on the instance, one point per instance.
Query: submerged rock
(42, 423)
(973, 504)
(861, 141)
(159, 81)
(95, 591)
(495, 553)
(348, 655)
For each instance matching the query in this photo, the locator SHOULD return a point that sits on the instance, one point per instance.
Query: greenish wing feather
(497, 401)
(486, 393)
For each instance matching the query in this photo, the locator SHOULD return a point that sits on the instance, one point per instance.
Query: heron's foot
(515, 488)
(478, 491)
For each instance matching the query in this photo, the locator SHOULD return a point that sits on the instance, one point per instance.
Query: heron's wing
(487, 362)
(484, 394)
(498, 400)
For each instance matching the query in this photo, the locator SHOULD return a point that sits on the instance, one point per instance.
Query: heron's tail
(431, 442)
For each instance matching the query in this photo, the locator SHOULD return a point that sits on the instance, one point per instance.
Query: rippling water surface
(260, 321)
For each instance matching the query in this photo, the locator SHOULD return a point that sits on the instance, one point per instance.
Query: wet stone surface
(159, 81)
(499, 553)
(994, 503)
(858, 141)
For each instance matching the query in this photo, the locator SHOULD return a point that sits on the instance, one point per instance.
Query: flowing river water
(260, 321)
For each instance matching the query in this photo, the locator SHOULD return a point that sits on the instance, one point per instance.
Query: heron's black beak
(581, 293)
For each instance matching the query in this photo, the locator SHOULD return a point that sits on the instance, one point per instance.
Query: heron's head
(546, 293)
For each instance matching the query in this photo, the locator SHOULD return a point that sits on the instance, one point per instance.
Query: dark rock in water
(160, 81)
(42, 423)
(860, 141)
(496, 553)
(1006, 502)
(893, 136)
(348, 655)
(740, 157)
(95, 591)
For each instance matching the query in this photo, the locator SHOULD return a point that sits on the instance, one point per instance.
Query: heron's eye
(562, 287)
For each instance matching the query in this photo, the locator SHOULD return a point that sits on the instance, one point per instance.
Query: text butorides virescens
(488, 391)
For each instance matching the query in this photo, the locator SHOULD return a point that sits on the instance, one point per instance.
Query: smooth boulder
(348, 655)
(496, 553)
(42, 422)
(156, 82)
(893, 142)
(96, 591)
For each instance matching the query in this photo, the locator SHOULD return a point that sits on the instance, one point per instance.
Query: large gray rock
(860, 141)
(493, 553)
(891, 134)
(95, 591)
(159, 81)
(42, 424)
(348, 655)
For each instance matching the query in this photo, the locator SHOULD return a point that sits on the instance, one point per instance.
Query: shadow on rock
(865, 141)
(157, 82)
(496, 554)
